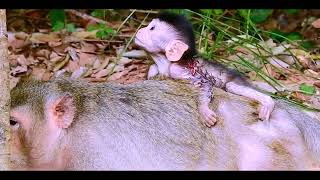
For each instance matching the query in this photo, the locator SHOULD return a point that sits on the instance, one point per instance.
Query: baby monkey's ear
(175, 50)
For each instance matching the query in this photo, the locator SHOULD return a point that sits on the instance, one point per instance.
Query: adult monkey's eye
(152, 28)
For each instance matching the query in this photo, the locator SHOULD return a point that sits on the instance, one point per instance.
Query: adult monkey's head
(169, 33)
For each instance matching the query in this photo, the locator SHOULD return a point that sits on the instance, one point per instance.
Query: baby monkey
(170, 41)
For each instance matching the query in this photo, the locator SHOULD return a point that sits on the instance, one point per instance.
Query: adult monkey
(152, 125)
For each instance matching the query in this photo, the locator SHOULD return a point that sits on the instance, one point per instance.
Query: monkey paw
(266, 109)
(209, 116)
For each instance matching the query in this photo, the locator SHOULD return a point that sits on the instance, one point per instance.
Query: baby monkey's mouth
(138, 42)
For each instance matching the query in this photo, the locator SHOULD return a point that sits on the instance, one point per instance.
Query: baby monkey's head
(169, 33)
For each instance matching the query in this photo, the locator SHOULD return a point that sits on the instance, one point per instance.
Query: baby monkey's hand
(208, 115)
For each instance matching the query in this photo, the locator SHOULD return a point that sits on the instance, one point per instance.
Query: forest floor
(35, 50)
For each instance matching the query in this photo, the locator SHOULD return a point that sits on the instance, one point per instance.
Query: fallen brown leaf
(117, 75)
(86, 59)
(18, 70)
(59, 65)
(316, 23)
(72, 66)
(317, 84)
(103, 65)
(85, 34)
(43, 53)
(88, 47)
(78, 73)
(44, 38)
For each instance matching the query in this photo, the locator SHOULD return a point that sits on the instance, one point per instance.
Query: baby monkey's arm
(266, 102)
(206, 93)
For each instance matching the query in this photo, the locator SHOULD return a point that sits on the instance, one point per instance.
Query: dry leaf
(300, 96)
(278, 63)
(316, 23)
(280, 49)
(53, 55)
(13, 81)
(60, 73)
(117, 75)
(73, 53)
(305, 62)
(269, 71)
(96, 64)
(59, 65)
(118, 68)
(54, 43)
(43, 53)
(105, 72)
(55, 59)
(88, 73)
(78, 73)
(88, 47)
(61, 50)
(135, 54)
(103, 65)
(19, 69)
(44, 38)
(287, 59)
(311, 73)
(85, 34)
(13, 60)
(17, 40)
(72, 66)
(22, 60)
(102, 73)
(124, 61)
(252, 75)
(86, 59)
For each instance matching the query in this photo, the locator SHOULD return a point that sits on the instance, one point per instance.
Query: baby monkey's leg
(153, 71)
(267, 103)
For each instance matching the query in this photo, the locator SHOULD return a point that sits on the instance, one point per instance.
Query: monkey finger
(262, 113)
(265, 113)
(208, 124)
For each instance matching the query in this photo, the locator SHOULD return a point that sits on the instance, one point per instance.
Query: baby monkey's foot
(208, 115)
(266, 109)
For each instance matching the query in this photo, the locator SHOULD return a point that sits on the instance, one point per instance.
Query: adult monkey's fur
(170, 41)
(152, 125)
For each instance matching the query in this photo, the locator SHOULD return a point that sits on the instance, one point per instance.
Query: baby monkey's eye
(152, 28)
(13, 122)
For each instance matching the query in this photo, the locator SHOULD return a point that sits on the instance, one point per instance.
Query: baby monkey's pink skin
(166, 46)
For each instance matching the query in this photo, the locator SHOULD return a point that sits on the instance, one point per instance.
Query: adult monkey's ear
(61, 111)
(175, 49)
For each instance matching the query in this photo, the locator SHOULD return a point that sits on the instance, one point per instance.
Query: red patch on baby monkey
(192, 66)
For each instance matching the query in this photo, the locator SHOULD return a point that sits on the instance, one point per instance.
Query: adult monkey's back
(151, 125)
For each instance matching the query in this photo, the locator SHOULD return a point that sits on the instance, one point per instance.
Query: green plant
(256, 15)
(58, 20)
(292, 11)
(103, 31)
(307, 89)
(100, 13)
